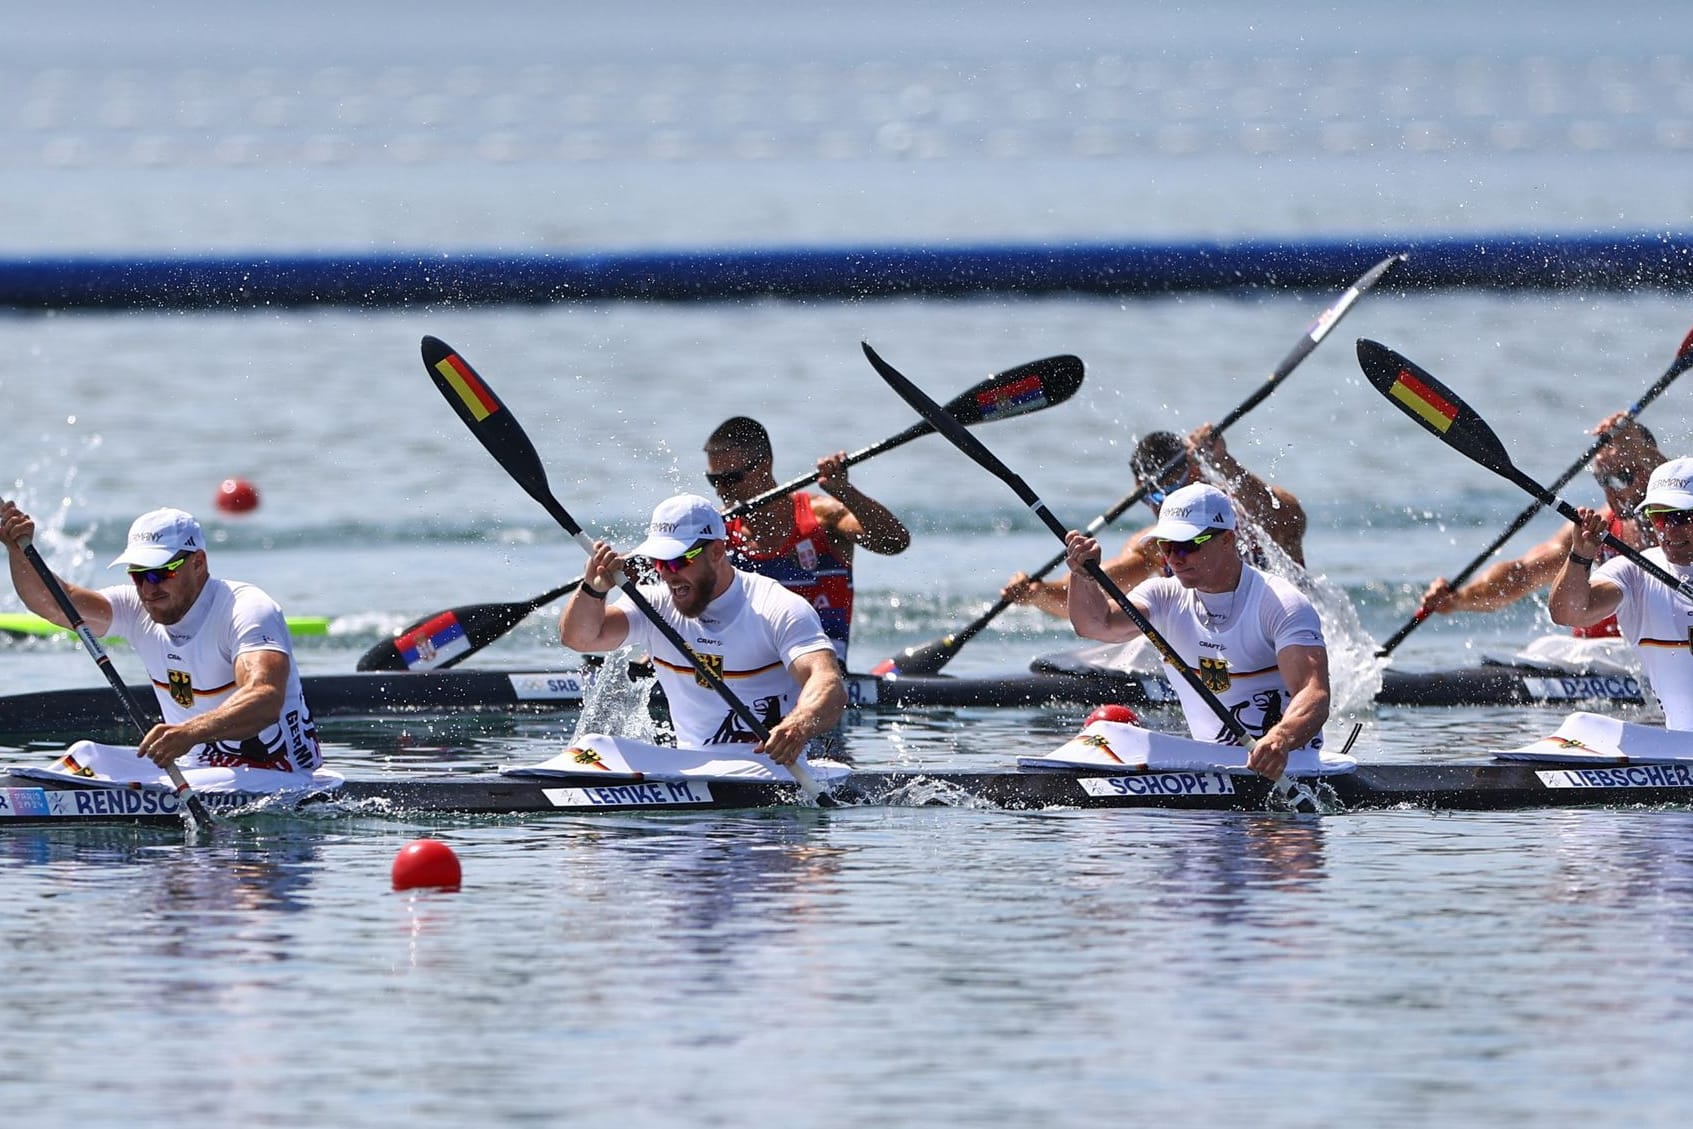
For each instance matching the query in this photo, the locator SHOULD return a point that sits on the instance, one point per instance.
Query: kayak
(94, 709)
(1556, 670)
(1593, 761)
(87, 710)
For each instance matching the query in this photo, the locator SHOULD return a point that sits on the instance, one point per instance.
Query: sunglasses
(1670, 518)
(157, 575)
(1183, 548)
(677, 564)
(1614, 479)
(728, 477)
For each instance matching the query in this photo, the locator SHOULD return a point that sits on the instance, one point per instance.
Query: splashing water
(618, 703)
(1354, 670)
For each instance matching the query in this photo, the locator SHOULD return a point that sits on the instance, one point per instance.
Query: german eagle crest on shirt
(1214, 673)
(182, 689)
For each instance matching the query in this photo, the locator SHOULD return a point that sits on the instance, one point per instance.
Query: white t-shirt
(1657, 621)
(1231, 639)
(749, 635)
(192, 665)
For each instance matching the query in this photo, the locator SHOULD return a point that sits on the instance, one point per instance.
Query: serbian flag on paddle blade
(1430, 406)
(433, 642)
(1012, 399)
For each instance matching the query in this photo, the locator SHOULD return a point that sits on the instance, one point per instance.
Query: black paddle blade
(1027, 388)
(497, 429)
(1439, 410)
(953, 430)
(449, 637)
(444, 638)
(921, 658)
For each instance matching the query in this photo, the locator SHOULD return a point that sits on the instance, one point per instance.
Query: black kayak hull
(93, 710)
(1450, 787)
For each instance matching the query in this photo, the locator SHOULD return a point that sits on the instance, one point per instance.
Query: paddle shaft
(192, 805)
(502, 435)
(1683, 361)
(1056, 378)
(1621, 547)
(990, 462)
(929, 658)
(1426, 400)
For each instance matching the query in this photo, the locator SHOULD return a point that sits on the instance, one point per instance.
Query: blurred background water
(926, 966)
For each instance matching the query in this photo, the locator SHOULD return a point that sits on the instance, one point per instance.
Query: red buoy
(237, 496)
(1117, 713)
(426, 862)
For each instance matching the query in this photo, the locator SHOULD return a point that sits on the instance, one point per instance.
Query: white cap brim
(661, 548)
(143, 556)
(1180, 530)
(1662, 499)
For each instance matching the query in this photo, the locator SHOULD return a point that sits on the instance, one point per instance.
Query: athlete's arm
(1305, 670)
(822, 698)
(852, 516)
(1577, 599)
(261, 686)
(16, 527)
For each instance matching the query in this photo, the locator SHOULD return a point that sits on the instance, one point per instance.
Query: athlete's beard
(691, 589)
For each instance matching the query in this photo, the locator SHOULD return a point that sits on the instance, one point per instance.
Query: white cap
(677, 523)
(157, 536)
(1671, 486)
(1192, 510)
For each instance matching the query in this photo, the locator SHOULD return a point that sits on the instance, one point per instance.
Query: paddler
(765, 642)
(1657, 620)
(804, 541)
(1271, 513)
(1621, 469)
(217, 651)
(1253, 638)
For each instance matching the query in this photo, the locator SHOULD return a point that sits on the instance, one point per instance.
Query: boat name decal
(1623, 776)
(546, 687)
(76, 803)
(1620, 687)
(862, 691)
(646, 794)
(1159, 784)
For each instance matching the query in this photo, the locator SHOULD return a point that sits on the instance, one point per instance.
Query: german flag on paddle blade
(1436, 407)
(463, 388)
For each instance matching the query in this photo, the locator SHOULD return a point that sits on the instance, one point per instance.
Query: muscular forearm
(1093, 615)
(879, 530)
(1498, 586)
(589, 626)
(819, 706)
(1575, 601)
(246, 713)
(34, 595)
(817, 709)
(1050, 596)
(1306, 714)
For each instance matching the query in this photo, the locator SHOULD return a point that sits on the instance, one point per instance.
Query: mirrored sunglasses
(1183, 548)
(728, 477)
(157, 575)
(677, 564)
(1664, 519)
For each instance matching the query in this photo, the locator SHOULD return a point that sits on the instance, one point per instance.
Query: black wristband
(591, 592)
(1584, 562)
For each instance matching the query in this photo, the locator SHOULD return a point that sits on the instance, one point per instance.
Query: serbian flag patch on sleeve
(1428, 405)
(433, 642)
